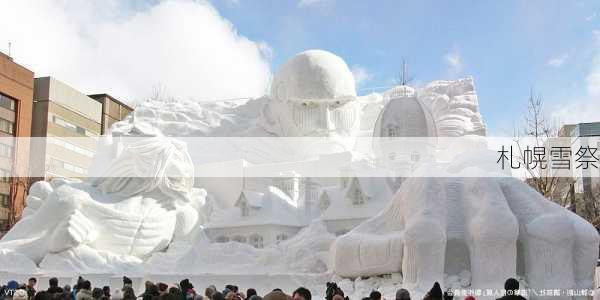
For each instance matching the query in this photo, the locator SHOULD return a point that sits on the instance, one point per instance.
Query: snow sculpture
(140, 206)
(313, 94)
(493, 227)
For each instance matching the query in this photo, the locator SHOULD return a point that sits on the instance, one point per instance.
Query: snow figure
(313, 94)
(139, 206)
(494, 228)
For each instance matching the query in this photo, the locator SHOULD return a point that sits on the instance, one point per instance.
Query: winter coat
(84, 295)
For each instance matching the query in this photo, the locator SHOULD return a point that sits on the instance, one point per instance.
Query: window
(281, 237)
(7, 102)
(6, 150)
(222, 239)
(357, 197)
(256, 241)
(70, 146)
(5, 175)
(70, 126)
(239, 239)
(415, 156)
(7, 126)
(5, 200)
(56, 163)
(245, 209)
(324, 203)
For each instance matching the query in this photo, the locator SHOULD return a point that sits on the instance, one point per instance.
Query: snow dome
(313, 75)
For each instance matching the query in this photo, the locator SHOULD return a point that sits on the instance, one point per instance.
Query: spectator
(106, 291)
(276, 295)
(333, 290)
(250, 292)
(210, 291)
(42, 295)
(127, 282)
(375, 295)
(97, 293)
(128, 293)
(53, 287)
(435, 293)
(402, 294)
(512, 290)
(163, 288)
(31, 287)
(187, 289)
(20, 294)
(448, 295)
(218, 296)
(85, 291)
(301, 293)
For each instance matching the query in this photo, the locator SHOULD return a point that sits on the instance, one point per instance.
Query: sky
(230, 48)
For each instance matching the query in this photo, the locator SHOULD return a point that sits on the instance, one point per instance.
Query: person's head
(250, 292)
(255, 297)
(301, 293)
(53, 282)
(86, 285)
(106, 291)
(337, 297)
(185, 285)
(402, 294)
(436, 292)
(127, 281)
(162, 287)
(97, 293)
(276, 295)
(230, 296)
(32, 282)
(128, 293)
(511, 286)
(448, 295)
(375, 295)
(209, 292)
(218, 296)
(67, 288)
(43, 295)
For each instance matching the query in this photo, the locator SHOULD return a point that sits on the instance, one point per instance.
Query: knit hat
(20, 295)
(127, 280)
(436, 291)
(12, 285)
(402, 294)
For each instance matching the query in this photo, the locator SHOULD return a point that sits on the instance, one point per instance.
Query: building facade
(71, 122)
(113, 110)
(16, 101)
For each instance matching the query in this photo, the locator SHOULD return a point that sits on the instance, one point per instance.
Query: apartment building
(16, 101)
(113, 110)
(71, 123)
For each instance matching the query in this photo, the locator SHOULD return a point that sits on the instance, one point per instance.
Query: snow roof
(342, 208)
(273, 207)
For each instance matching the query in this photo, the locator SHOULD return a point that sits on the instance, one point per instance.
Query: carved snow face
(339, 117)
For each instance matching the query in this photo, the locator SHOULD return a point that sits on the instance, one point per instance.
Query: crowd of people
(83, 290)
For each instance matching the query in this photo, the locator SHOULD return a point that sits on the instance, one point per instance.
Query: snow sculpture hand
(493, 227)
(76, 229)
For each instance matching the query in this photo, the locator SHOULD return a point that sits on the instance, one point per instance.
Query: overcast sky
(227, 49)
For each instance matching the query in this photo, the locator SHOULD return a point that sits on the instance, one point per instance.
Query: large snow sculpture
(494, 227)
(140, 205)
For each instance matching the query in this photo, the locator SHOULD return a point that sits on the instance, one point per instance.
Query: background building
(71, 121)
(113, 110)
(16, 100)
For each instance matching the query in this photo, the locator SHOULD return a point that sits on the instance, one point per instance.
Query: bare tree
(539, 131)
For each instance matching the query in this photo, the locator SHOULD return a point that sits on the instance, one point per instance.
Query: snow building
(353, 201)
(257, 218)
